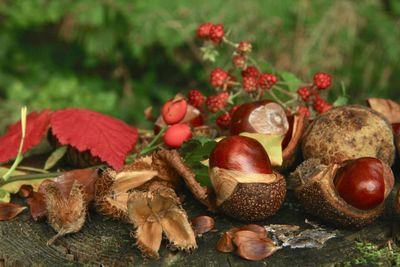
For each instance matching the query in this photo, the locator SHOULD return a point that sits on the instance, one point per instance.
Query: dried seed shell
(9, 211)
(202, 224)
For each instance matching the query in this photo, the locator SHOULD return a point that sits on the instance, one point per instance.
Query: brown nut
(349, 132)
(323, 197)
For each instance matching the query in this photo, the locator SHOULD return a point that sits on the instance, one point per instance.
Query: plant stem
(29, 177)
(21, 144)
(228, 42)
(252, 60)
(31, 169)
(150, 147)
(276, 98)
(280, 89)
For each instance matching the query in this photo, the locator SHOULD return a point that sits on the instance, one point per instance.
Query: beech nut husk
(349, 132)
(315, 189)
(248, 196)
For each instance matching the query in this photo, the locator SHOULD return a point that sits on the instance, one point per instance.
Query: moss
(372, 255)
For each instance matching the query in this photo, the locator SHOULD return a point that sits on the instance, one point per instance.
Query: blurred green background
(120, 56)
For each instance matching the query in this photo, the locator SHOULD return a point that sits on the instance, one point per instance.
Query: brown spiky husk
(155, 211)
(319, 197)
(104, 191)
(65, 213)
(349, 132)
(248, 196)
(255, 201)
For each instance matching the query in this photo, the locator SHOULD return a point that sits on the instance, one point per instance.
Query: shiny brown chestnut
(243, 180)
(264, 116)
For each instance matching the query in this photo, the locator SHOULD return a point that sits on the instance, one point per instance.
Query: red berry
(304, 110)
(217, 102)
(218, 77)
(195, 98)
(174, 111)
(233, 109)
(304, 93)
(249, 84)
(267, 80)
(176, 134)
(203, 31)
(322, 80)
(217, 33)
(239, 61)
(223, 121)
(251, 71)
(321, 105)
(244, 47)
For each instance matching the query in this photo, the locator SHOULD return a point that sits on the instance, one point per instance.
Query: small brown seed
(225, 243)
(202, 224)
(256, 249)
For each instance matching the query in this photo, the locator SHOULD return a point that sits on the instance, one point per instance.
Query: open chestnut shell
(246, 188)
(291, 143)
(315, 188)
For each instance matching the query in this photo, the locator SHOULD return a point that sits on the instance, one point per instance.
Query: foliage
(118, 56)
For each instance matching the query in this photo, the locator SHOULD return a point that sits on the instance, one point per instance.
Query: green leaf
(293, 83)
(272, 143)
(202, 176)
(209, 53)
(4, 196)
(341, 101)
(193, 152)
(55, 157)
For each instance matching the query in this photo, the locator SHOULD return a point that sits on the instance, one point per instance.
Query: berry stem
(253, 61)
(230, 43)
(274, 96)
(284, 91)
(150, 147)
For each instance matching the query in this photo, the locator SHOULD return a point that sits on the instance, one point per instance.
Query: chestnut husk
(244, 199)
(349, 132)
(291, 153)
(315, 189)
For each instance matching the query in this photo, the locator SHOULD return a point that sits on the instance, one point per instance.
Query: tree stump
(105, 242)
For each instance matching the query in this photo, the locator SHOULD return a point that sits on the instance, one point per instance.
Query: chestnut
(361, 183)
(351, 193)
(264, 116)
(245, 185)
(349, 132)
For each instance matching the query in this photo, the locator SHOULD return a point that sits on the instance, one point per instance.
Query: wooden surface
(106, 242)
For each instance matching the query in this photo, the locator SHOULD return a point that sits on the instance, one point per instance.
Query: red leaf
(37, 125)
(105, 137)
(9, 210)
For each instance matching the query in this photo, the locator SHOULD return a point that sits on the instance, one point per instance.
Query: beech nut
(351, 193)
(246, 187)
